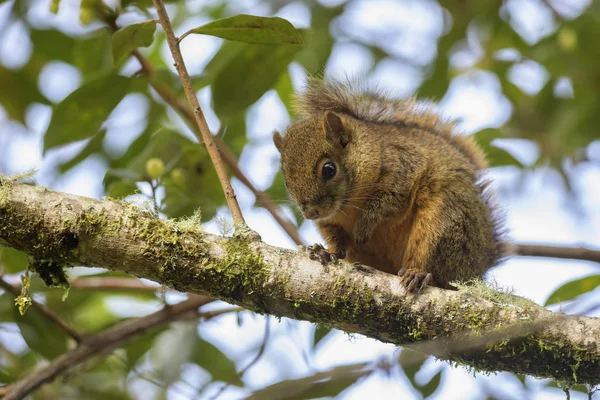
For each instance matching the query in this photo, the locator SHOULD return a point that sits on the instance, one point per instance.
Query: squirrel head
(312, 153)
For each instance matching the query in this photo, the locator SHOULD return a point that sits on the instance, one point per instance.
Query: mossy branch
(518, 335)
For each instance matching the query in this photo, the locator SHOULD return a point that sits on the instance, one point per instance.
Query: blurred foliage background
(522, 75)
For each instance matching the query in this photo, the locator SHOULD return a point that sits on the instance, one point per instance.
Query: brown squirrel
(390, 185)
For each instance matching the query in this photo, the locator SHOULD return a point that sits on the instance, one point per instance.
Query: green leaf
(90, 311)
(430, 387)
(498, 157)
(93, 146)
(120, 189)
(322, 384)
(411, 362)
(318, 39)
(252, 29)
(12, 261)
(172, 349)
(223, 57)
(320, 333)
(40, 334)
(156, 121)
(19, 90)
(83, 112)
(127, 39)
(285, 90)
(279, 194)
(572, 289)
(235, 135)
(51, 45)
(495, 156)
(91, 55)
(7, 307)
(123, 174)
(135, 349)
(220, 367)
(5, 376)
(231, 88)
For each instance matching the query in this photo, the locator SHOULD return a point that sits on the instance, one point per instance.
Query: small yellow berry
(178, 176)
(85, 16)
(155, 167)
(567, 39)
(54, 6)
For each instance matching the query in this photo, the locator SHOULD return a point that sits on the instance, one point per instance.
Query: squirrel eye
(328, 170)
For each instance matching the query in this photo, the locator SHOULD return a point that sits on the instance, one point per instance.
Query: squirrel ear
(334, 129)
(277, 140)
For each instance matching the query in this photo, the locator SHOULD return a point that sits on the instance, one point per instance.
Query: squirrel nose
(311, 213)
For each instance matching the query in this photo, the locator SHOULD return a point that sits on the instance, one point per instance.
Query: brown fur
(408, 192)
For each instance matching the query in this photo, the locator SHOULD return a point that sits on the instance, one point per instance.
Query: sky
(538, 210)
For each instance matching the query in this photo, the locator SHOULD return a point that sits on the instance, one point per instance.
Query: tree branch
(286, 283)
(102, 343)
(573, 253)
(207, 138)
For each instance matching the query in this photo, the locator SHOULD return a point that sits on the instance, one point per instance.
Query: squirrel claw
(319, 253)
(414, 281)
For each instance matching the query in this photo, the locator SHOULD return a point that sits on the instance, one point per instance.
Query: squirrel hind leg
(415, 281)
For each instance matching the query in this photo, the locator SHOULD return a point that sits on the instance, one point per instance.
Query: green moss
(496, 293)
(23, 301)
(241, 273)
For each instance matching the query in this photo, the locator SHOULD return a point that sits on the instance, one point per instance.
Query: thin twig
(226, 153)
(111, 283)
(207, 138)
(216, 313)
(154, 186)
(184, 35)
(102, 343)
(171, 98)
(573, 253)
(46, 312)
(104, 283)
(260, 353)
(262, 348)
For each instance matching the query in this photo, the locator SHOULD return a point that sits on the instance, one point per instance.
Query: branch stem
(206, 136)
(102, 343)
(572, 253)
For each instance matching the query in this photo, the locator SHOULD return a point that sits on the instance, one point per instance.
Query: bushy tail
(356, 99)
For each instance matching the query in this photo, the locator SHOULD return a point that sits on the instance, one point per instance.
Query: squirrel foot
(414, 281)
(319, 253)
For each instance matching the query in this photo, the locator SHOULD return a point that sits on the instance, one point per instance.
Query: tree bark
(478, 327)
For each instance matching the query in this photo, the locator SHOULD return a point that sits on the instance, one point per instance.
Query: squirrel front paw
(318, 253)
(414, 281)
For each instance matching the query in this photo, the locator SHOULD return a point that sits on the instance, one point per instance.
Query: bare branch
(102, 343)
(111, 283)
(286, 283)
(260, 353)
(207, 137)
(573, 253)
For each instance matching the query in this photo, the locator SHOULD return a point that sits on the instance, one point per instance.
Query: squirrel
(390, 185)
